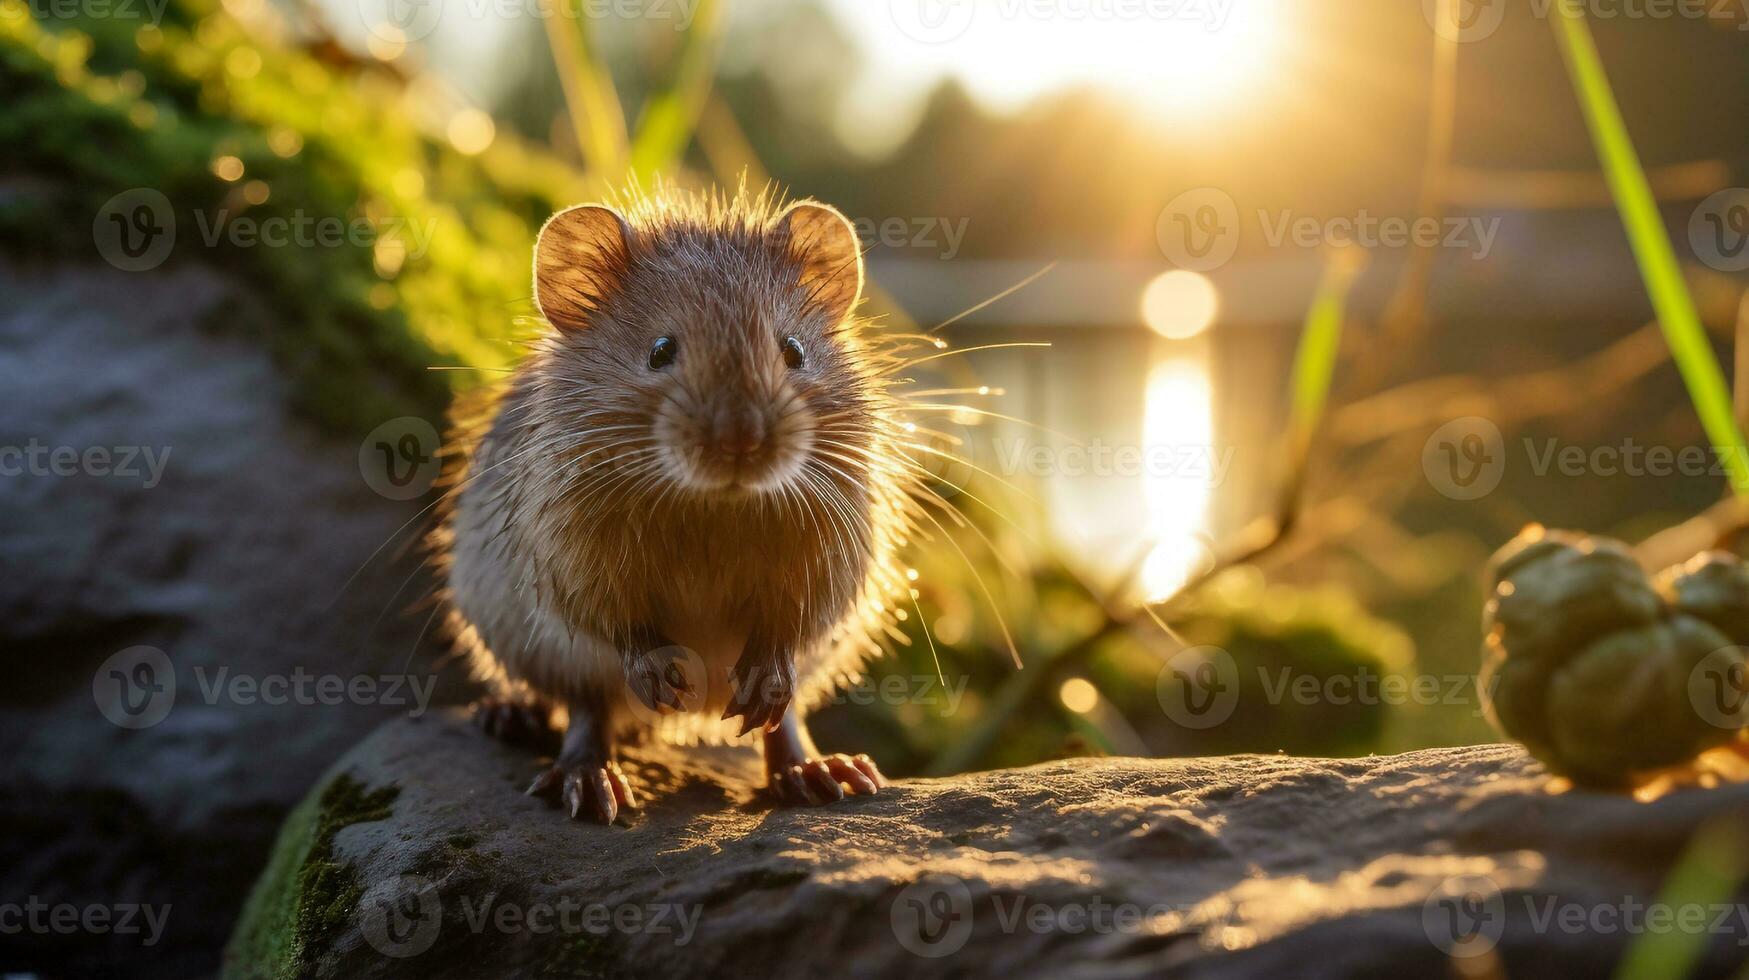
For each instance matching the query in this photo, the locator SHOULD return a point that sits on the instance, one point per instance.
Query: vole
(681, 515)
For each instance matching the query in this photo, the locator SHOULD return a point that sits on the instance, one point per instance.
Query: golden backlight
(1179, 304)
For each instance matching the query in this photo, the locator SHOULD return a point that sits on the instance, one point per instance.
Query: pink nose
(740, 436)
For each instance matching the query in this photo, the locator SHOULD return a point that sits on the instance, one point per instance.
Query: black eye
(792, 352)
(662, 353)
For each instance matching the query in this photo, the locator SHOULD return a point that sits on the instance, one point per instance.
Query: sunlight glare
(1179, 304)
(1179, 60)
(1179, 415)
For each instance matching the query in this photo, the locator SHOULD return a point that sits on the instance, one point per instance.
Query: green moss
(306, 894)
(438, 274)
(584, 954)
(328, 890)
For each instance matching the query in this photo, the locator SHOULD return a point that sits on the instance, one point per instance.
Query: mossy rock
(306, 895)
(236, 124)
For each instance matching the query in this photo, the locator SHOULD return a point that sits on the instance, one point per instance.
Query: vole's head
(707, 346)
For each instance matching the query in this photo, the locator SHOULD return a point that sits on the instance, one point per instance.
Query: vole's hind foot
(518, 721)
(584, 779)
(586, 791)
(798, 775)
(813, 782)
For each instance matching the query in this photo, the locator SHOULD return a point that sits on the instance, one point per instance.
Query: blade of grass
(1314, 367)
(669, 119)
(1705, 876)
(1659, 269)
(590, 97)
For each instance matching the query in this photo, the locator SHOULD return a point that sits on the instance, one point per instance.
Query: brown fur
(593, 511)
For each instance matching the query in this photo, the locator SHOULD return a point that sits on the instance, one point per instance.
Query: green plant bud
(1514, 697)
(1623, 703)
(1532, 544)
(1560, 593)
(1713, 586)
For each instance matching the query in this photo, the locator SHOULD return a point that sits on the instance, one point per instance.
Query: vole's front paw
(812, 782)
(660, 683)
(761, 686)
(586, 791)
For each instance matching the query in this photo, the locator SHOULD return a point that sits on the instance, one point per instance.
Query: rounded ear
(825, 244)
(580, 256)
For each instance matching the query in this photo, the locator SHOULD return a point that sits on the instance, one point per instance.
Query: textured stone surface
(1250, 865)
(237, 557)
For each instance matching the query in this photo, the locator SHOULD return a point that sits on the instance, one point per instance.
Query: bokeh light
(1180, 304)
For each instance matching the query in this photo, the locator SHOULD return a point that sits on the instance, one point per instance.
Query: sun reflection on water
(1179, 414)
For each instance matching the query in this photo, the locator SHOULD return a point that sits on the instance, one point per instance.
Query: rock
(233, 556)
(419, 856)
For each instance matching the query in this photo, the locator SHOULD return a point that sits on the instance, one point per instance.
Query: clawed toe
(815, 782)
(595, 793)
